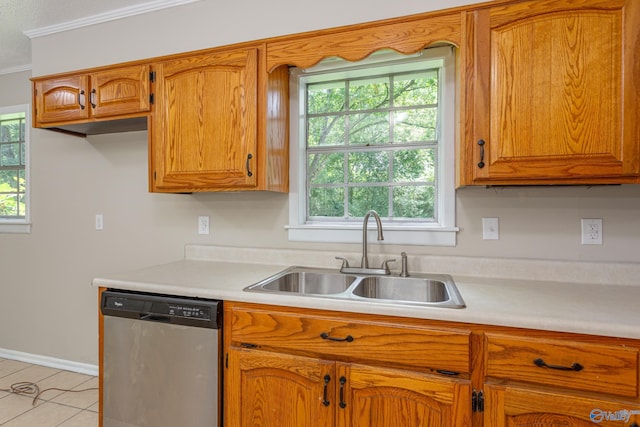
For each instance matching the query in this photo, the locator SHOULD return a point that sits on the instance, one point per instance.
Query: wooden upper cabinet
(552, 93)
(119, 91)
(212, 129)
(61, 99)
(108, 93)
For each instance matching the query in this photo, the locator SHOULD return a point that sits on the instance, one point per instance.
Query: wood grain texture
(105, 94)
(378, 397)
(606, 368)
(553, 97)
(356, 43)
(61, 99)
(266, 389)
(120, 91)
(508, 406)
(205, 123)
(100, 359)
(394, 345)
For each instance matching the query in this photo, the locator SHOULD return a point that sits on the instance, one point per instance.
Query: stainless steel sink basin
(435, 290)
(306, 281)
(403, 289)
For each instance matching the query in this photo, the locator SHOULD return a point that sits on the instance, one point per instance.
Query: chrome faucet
(364, 264)
(365, 256)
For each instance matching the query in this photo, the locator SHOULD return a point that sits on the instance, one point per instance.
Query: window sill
(393, 235)
(15, 228)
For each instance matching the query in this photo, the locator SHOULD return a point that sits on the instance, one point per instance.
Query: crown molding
(107, 16)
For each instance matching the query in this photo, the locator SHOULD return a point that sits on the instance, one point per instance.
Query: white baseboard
(51, 362)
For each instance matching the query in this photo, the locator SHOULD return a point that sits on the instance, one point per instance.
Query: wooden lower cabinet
(517, 406)
(272, 389)
(275, 389)
(379, 397)
(294, 367)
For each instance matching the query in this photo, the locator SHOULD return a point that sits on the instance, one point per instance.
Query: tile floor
(54, 408)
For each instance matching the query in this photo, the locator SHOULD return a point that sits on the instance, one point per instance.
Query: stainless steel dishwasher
(161, 360)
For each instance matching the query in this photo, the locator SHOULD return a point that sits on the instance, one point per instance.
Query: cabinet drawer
(353, 340)
(564, 363)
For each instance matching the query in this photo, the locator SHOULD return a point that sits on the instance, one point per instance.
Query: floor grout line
(27, 416)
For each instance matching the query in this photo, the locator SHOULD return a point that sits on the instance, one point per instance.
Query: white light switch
(490, 229)
(203, 224)
(99, 222)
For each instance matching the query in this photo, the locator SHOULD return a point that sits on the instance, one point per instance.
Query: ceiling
(21, 20)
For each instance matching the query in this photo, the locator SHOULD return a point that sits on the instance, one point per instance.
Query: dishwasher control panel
(162, 308)
(186, 310)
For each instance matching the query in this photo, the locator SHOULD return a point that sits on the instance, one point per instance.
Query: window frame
(21, 225)
(440, 233)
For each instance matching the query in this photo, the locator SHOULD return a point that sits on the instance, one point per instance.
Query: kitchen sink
(403, 289)
(308, 282)
(434, 290)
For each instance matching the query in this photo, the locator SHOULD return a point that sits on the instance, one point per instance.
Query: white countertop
(564, 306)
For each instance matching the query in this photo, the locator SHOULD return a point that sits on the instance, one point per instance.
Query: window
(376, 134)
(14, 169)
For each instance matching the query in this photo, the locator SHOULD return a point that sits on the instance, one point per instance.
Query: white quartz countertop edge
(596, 309)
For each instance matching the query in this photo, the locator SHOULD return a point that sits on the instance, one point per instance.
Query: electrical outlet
(490, 229)
(203, 224)
(591, 231)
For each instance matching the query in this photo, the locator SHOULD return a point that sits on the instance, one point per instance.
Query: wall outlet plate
(490, 229)
(591, 231)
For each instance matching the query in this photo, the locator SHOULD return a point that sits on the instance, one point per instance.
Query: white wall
(48, 306)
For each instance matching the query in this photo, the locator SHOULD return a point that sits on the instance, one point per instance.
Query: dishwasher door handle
(155, 318)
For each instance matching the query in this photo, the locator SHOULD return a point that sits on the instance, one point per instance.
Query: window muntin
(364, 140)
(368, 138)
(14, 194)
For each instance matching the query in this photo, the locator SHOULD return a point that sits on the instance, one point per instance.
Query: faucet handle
(405, 270)
(345, 262)
(385, 265)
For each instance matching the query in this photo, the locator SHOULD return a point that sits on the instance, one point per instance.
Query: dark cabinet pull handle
(481, 162)
(343, 381)
(80, 100)
(542, 364)
(325, 401)
(326, 336)
(92, 98)
(249, 157)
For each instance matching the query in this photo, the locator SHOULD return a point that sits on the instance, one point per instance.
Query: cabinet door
(552, 93)
(379, 397)
(61, 99)
(266, 389)
(119, 91)
(515, 407)
(205, 131)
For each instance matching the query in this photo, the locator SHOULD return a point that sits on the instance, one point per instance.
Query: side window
(14, 169)
(376, 134)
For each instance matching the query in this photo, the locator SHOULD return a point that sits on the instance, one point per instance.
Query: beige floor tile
(80, 399)
(8, 367)
(13, 405)
(83, 419)
(67, 410)
(32, 373)
(45, 415)
(95, 407)
(61, 380)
